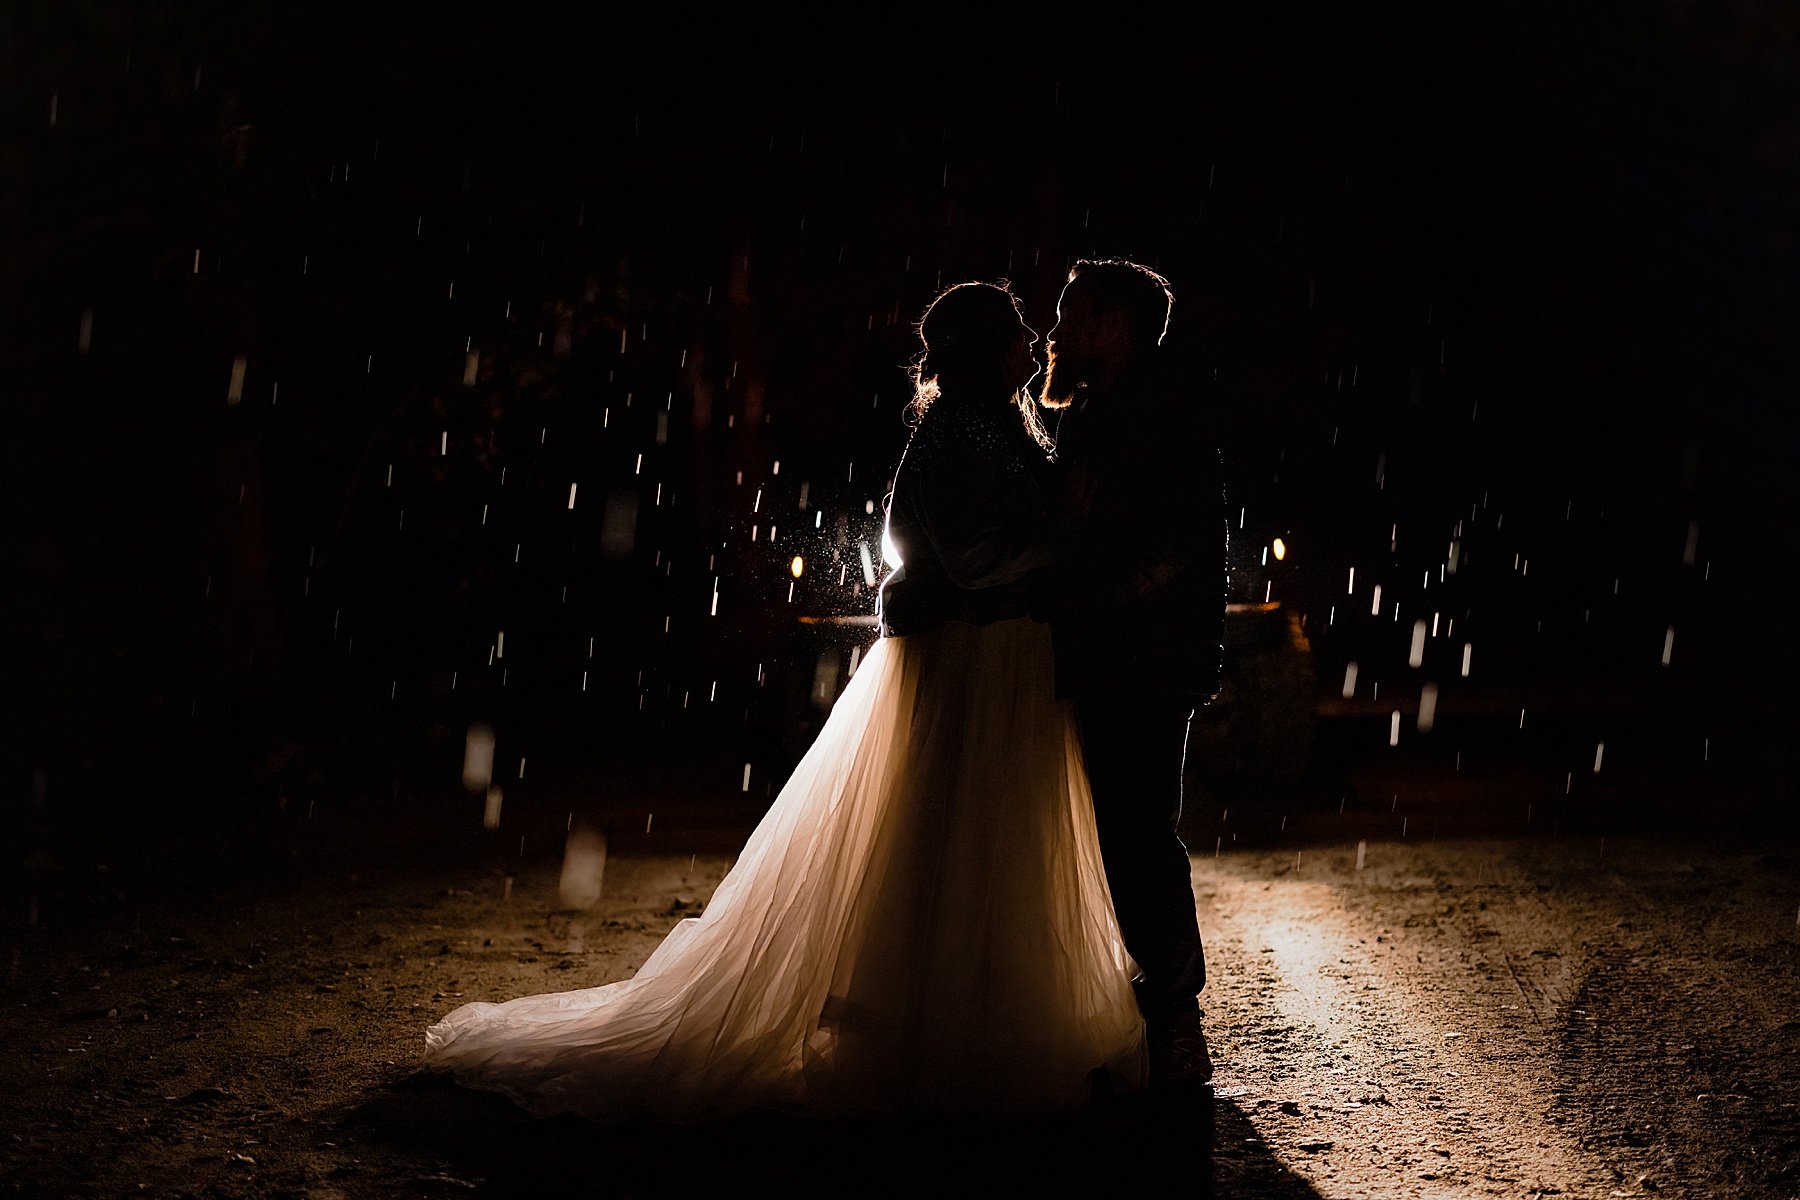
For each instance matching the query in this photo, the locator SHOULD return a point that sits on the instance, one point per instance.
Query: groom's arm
(1150, 535)
(1104, 577)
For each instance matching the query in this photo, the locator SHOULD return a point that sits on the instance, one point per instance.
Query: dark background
(1519, 279)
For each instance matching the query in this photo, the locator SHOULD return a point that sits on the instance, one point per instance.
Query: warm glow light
(584, 867)
(478, 757)
(797, 566)
(1280, 548)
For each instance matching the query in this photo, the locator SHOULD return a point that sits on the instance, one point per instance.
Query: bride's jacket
(970, 517)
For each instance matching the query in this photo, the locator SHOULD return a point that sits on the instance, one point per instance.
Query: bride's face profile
(974, 335)
(1021, 364)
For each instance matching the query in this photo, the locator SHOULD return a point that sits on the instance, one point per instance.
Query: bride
(920, 922)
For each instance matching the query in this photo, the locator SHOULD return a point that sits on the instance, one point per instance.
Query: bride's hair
(967, 332)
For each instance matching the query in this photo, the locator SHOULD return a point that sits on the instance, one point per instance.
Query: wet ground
(1475, 988)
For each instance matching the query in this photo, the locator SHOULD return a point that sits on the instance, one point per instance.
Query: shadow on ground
(482, 1141)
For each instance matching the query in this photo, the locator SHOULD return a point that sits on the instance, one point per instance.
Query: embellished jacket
(970, 517)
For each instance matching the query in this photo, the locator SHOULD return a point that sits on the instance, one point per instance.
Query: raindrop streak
(234, 391)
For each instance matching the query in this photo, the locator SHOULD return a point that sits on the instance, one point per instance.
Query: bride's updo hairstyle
(967, 331)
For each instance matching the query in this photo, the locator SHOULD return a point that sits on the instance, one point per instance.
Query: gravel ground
(1521, 1012)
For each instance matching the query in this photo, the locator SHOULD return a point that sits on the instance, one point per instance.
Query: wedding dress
(919, 923)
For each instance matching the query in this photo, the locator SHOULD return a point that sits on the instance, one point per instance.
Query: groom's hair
(1122, 286)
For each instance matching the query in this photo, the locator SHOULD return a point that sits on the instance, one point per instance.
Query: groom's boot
(1178, 1053)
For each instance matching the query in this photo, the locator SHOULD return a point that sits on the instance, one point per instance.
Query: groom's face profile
(1070, 355)
(1086, 349)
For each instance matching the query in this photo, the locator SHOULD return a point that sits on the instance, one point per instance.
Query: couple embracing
(970, 894)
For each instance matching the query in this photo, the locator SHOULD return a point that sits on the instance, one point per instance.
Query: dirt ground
(1400, 1006)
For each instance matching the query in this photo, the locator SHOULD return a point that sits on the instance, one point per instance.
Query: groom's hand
(1041, 593)
(1075, 498)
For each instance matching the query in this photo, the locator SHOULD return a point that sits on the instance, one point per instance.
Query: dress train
(919, 923)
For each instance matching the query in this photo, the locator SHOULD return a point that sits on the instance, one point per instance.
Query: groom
(1137, 613)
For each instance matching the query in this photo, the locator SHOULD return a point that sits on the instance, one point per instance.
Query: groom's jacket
(1138, 604)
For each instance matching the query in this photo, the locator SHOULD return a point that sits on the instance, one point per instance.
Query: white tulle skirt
(919, 923)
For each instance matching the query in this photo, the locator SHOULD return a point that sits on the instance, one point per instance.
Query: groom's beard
(1062, 379)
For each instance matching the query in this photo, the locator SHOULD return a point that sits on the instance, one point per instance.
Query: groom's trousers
(1135, 748)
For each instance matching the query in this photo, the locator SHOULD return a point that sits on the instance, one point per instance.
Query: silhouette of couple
(970, 894)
